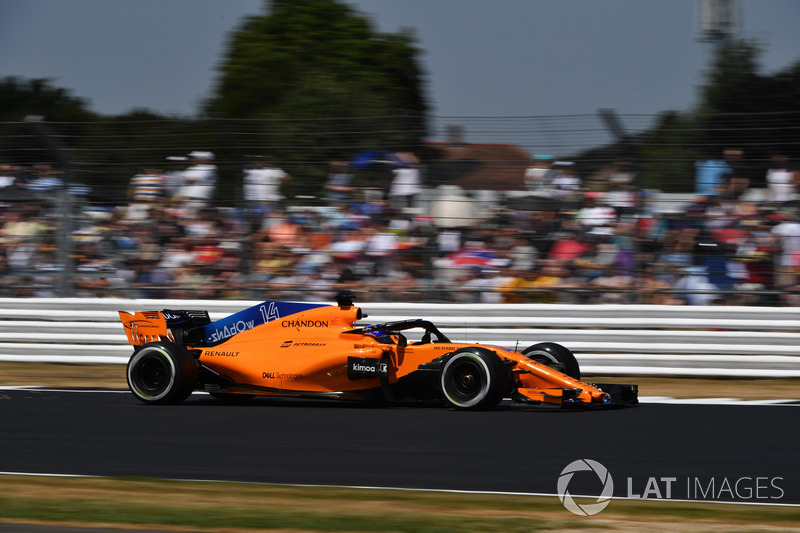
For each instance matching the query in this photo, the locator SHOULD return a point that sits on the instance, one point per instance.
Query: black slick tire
(474, 379)
(556, 357)
(162, 373)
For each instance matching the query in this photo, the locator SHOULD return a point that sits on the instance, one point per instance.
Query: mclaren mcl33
(318, 351)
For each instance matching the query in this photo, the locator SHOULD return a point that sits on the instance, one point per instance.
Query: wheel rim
(152, 376)
(466, 381)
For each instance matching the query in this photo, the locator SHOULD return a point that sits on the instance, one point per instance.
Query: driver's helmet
(383, 336)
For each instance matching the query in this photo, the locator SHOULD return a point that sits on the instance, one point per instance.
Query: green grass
(250, 507)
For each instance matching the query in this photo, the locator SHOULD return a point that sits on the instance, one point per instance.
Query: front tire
(474, 379)
(162, 373)
(556, 357)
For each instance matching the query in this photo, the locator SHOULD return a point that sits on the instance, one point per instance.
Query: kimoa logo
(582, 465)
(358, 367)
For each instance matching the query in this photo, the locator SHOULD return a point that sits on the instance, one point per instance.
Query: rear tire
(556, 357)
(474, 379)
(162, 373)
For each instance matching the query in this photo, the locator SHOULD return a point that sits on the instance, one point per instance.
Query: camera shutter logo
(566, 498)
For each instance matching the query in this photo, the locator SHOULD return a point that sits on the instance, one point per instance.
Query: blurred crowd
(567, 239)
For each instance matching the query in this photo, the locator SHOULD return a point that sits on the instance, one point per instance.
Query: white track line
(406, 489)
(642, 399)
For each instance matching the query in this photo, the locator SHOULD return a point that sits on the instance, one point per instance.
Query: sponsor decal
(171, 317)
(141, 324)
(366, 368)
(231, 330)
(143, 331)
(297, 324)
(444, 348)
(220, 353)
(290, 376)
(292, 344)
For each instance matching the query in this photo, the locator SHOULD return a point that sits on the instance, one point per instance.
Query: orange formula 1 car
(312, 350)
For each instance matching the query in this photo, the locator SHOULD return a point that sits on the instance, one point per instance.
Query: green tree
(667, 154)
(329, 84)
(734, 70)
(742, 108)
(738, 107)
(21, 98)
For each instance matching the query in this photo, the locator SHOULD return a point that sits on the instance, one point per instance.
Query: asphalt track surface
(713, 452)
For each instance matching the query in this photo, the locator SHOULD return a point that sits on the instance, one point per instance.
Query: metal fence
(607, 339)
(80, 249)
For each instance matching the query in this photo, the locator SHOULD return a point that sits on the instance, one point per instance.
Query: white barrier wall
(606, 339)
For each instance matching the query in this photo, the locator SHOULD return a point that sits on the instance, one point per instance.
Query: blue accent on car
(251, 317)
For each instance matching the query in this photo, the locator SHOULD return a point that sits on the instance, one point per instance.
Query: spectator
(261, 186)
(199, 181)
(653, 290)
(146, 189)
(406, 184)
(700, 291)
(710, 176)
(787, 239)
(44, 179)
(782, 180)
(486, 285)
(8, 175)
(338, 187)
(598, 259)
(565, 183)
(621, 194)
(549, 284)
(570, 246)
(536, 176)
(613, 288)
(173, 176)
(737, 180)
(522, 255)
(282, 230)
(593, 214)
(364, 245)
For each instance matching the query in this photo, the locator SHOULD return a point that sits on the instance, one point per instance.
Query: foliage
(667, 149)
(734, 67)
(39, 97)
(741, 108)
(321, 74)
(738, 107)
(22, 100)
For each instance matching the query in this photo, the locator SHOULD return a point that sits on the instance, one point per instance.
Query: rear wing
(145, 326)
